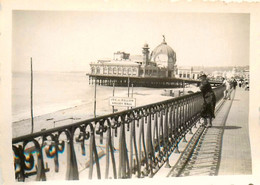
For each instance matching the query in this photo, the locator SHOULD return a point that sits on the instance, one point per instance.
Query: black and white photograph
(136, 95)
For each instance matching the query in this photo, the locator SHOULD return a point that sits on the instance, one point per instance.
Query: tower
(146, 53)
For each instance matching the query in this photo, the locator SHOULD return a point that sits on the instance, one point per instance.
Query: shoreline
(85, 111)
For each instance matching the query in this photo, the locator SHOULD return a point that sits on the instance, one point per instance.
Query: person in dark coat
(209, 100)
(234, 84)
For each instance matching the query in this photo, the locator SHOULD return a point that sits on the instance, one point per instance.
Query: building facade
(159, 63)
(188, 73)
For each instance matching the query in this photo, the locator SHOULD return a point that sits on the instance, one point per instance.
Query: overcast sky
(65, 41)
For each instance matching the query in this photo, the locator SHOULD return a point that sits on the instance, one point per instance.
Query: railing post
(142, 143)
(190, 120)
(166, 137)
(131, 147)
(133, 140)
(123, 157)
(72, 167)
(193, 111)
(113, 159)
(149, 143)
(156, 137)
(177, 123)
(40, 170)
(109, 146)
(183, 121)
(20, 159)
(93, 154)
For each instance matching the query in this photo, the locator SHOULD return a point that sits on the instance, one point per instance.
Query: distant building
(246, 74)
(241, 73)
(121, 56)
(187, 73)
(160, 63)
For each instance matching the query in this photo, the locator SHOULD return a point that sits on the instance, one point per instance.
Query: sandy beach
(74, 114)
(85, 110)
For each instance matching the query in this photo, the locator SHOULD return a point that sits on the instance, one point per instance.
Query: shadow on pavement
(226, 127)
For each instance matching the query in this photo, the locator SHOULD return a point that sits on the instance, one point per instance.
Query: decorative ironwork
(137, 142)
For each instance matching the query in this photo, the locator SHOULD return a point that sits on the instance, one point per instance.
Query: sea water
(52, 91)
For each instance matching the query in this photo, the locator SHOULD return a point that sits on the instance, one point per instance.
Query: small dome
(164, 55)
(146, 45)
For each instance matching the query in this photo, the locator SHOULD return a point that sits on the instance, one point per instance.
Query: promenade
(223, 149)
(236, 152)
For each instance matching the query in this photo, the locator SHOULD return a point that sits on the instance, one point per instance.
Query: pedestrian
(234, 84)
(209, 101)
(227, 91)
(239, 83)
(246, 85)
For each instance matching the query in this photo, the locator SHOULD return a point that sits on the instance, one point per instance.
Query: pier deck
(155, 82)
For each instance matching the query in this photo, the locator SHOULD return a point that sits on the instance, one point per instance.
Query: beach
(65, 98)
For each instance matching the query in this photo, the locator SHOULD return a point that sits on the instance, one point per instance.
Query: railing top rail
(103, 117)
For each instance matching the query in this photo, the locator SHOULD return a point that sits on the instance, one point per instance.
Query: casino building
(161, 62)
(150, 69)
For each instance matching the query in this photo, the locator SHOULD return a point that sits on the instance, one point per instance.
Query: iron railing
(135, 142)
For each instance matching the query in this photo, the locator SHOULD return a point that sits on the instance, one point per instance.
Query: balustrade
(136, 142)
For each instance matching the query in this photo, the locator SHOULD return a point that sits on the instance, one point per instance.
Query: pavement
(223, 149)
(236, 151)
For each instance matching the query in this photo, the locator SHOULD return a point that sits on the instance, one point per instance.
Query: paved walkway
(224, 148)
(236, 151)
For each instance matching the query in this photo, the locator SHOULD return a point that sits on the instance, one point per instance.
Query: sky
(70, 40)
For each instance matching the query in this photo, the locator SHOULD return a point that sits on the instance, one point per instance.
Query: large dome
(164, 55)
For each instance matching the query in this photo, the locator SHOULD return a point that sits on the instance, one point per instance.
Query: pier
(160, 139)
(155, 82)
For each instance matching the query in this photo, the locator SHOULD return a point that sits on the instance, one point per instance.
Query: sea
(52, 91)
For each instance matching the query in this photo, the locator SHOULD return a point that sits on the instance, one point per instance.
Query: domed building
(160, 63)
(165, 57)
(148, 69)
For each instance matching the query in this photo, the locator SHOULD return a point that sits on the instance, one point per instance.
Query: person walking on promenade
(209, 98)
(227, 92)
(240, 83)
(233, 83)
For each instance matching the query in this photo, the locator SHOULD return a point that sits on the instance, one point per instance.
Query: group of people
(244, 84)
(230, 85)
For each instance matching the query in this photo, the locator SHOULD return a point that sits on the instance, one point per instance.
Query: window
(114, 70)
(92, 70)
(141, 72)
(109, 70)
(105, 70)
(129, 71)
(98, 70)
(134, 71)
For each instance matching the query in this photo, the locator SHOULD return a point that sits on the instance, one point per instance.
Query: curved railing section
(131, 143)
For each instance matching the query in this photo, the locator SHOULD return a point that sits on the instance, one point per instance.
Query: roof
(136, 58)
(185, 68)
(163, 48)
(118, 63)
